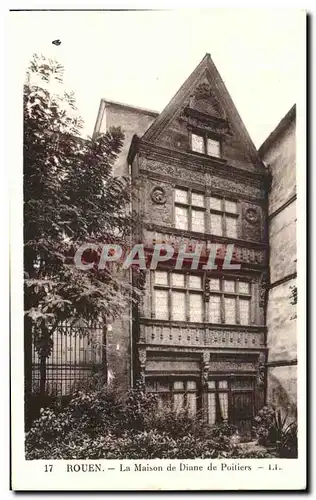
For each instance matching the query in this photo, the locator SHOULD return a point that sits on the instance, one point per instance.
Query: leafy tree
(70, 198)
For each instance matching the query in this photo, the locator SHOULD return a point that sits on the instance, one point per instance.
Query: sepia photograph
(160, 256)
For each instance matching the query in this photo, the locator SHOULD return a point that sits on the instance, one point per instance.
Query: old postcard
(158, 249)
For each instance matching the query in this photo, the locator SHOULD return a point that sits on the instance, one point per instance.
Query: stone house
(198, 338)
(208, 340)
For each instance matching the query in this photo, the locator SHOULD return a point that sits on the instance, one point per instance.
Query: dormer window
(206, 145)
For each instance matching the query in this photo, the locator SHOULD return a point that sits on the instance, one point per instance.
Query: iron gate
(77, 352)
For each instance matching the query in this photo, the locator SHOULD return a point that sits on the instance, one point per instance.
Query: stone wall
(279, 154)
(282, 231)
(119, 335)
(281, 158)
(131, 120)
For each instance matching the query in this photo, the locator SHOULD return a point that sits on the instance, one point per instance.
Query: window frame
(230, 391)
(190, 207)
(224, 213)
(206, 135)
(207, 211)
(170, 287)
(172, 391)
(236, 294)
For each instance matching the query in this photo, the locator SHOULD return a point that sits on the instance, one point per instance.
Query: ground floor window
(230, 400)
(217, 401)
(178, 394)
(224, 399)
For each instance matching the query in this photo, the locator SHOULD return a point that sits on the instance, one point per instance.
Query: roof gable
(204, 94)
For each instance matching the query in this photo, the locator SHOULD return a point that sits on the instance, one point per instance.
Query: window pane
(215, 203)
(181, 218)
(222, 384)
(214, 284)
(178, 401)
(231, 206)
(230, 310)
(191, 385)
(195, 282)
(243, 287)
(197, 143)
(216, 224)
(164, 401)
(215, 309)
(198, 221)
(178, 306)
(211, 384)
(244, 311)
(181, 196)
(161, 278)
(229, 286)
(151, 386)
(213, 148)
(161, 304)
(177, 279)
(197, 200)
(223, 401)
(178, 386)
(196, 307)
(163, 386)
(211, 408)
(231, 227)
(191, 404)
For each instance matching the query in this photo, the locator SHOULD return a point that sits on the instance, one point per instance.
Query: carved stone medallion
(158, 195)
(252, 215)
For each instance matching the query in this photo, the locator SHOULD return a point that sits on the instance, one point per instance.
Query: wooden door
(242, 409)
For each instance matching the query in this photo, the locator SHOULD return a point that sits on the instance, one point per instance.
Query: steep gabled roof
(279, 129)
(206, 70)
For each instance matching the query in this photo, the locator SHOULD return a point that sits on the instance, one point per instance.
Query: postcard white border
(30, 475)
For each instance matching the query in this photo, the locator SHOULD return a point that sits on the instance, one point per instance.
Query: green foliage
(274, 430)
(240, 452)
(70, 198)
(97, 423)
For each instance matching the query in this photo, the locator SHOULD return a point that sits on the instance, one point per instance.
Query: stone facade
(198, 338)
(219, 341)
(278, 152)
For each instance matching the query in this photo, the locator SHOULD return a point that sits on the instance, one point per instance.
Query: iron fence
(77, 352)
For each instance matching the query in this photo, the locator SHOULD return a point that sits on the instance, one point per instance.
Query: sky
(143, 57)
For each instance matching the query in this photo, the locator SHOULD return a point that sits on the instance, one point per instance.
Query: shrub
(174, 423)
(98, 423)
(273, 430)
(239, 452)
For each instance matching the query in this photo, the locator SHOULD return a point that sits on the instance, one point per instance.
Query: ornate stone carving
(261, 370)
(232, 365)
(252, 222)
(252, 215)
(205, 122)
(204, 92)
(158, 195)
(142, 355)
(207, 290)
(263, 289)
(203, 335)
(243, 255)
(205, 367)
(142, 279)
